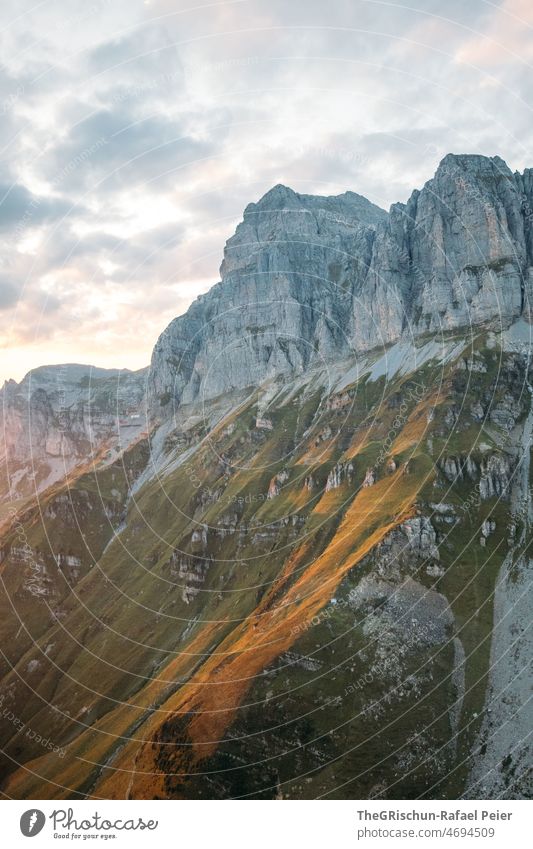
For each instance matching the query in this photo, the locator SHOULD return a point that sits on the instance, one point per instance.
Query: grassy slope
(189, 672)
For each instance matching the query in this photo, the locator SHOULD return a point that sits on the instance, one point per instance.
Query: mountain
(307, 571)
(307, 280)
(60, 416)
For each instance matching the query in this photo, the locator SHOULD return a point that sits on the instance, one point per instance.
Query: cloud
(9, 293)
(140, 55)
(100, 258)
(506, 40)
(112, 149)
(21, 210)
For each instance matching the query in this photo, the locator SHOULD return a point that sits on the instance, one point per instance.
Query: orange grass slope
(133, 750)
(53, 777)
(201, 712)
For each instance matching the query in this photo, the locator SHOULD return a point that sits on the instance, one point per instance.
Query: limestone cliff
(307, 280)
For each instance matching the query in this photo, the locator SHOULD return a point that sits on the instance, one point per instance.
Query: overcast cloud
(134, 133)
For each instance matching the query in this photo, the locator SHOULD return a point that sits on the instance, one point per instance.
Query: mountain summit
(306, 280)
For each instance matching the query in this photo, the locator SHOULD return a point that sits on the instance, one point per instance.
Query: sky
(134, 132)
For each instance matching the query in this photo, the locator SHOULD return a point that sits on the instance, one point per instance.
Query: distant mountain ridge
(59, 416)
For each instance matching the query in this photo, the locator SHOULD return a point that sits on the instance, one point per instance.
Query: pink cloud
(507, 38)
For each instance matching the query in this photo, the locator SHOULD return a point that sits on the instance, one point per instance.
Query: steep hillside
(300, 603)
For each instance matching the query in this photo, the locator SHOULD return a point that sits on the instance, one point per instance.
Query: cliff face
(306, 280)
(60, 416)
(288, 280)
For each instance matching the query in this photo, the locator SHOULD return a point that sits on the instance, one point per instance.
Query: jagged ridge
(306, 280)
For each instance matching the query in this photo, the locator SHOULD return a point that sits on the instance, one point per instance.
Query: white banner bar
(262, 825)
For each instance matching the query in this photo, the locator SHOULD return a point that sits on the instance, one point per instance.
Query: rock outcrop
(59, 416)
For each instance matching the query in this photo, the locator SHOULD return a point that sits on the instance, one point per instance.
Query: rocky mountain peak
(473, 163)
(278, 197)
(284, 199)
(306, 279)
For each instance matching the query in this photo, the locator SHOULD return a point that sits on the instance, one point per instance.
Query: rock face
(306, 279)
(58, 416)
(288, 277)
